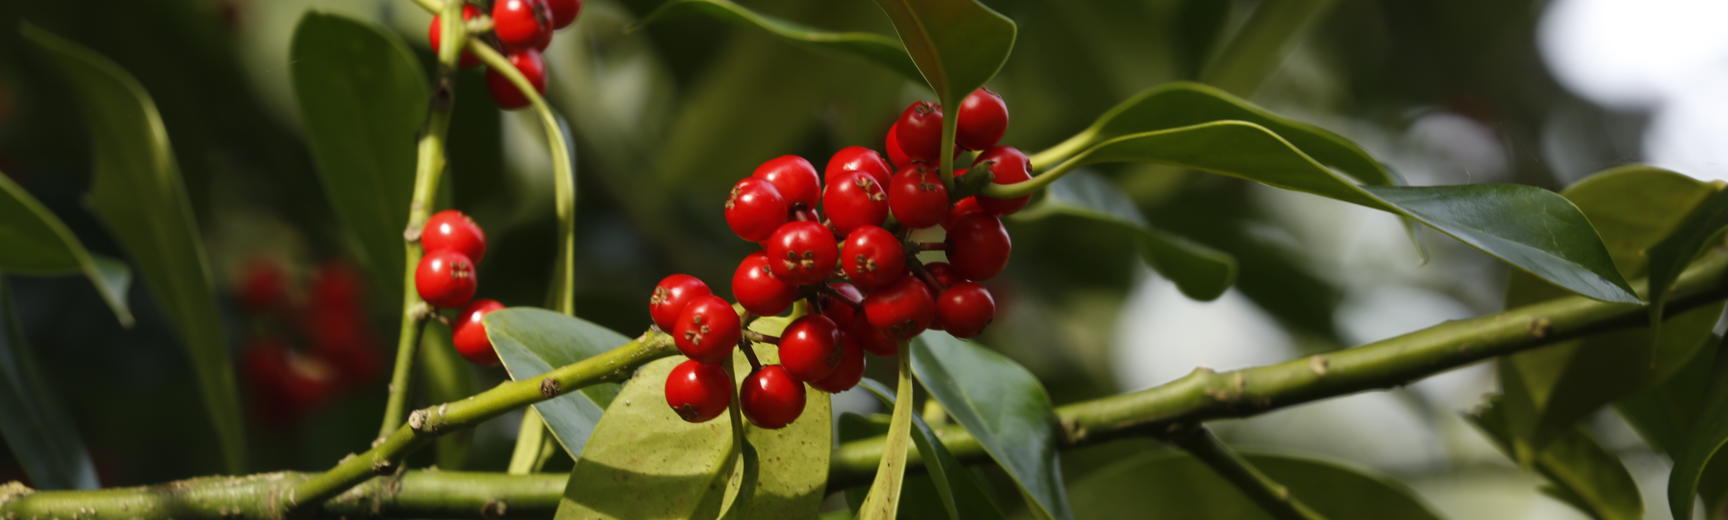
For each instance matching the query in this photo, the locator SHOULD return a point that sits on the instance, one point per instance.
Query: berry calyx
(810, 347)
(671, 296)
(901, 310)
(978, 246)
(849, 371)
(505, 93)
(469, 335)
(794, 177)
(755, 209)
(917, 197)
(873, 258)
(857, 159)
(698, 391)
(802, 253)
(707, 330)
(1008, 165)
(920, 132)
(842, 303)
(452, 230)
(756, 288)
(445, 279)
(522, 24)
(435, 35)
(564, 12)
(771, 397)
(854, 200)
(964, 309)
(983, 118)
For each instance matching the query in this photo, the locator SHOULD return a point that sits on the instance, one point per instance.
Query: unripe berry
(756, 288)
(698, 391)
(435, 35)
(965, 309)
(902, 310)
(794, 177)
(707, 330)
(771, 397)
(873, 258)
(983, 118)
(920, 132)
(671, 296)
(755, 209)
(1007, 166)
(450, 229)
(978, 247)
(802, 253)
(857, 159)
(917, 197)
(809, 347)
(469, 334)
(505, 93)
(854, 200)
(445, 279)
(849, 370)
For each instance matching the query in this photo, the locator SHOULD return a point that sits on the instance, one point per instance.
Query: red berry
(857, 159)
(978, 247)
(854, 201)
(435, 34)
(450, 229)
(771, 397)
(848, 372)
(920, 131)
(505, 93)
(844, 313)
(805, 215)
(802, 253)
(445, 279)
(891, 143)
(707, 330)
(902, 310)
(755, 209)
(873, 258)
(873, 340)
(671, 296)
(522, 24)
(339, 285)
(963, 208)
(810, 347)
(794, 177)
(698, 391)
(944, 273)
(756, 288)
(1008, 166)
(563, 12)
(983, 118)
(917, 197)
(262, 284)
(470, 333)
(965, 309)
(341, 338)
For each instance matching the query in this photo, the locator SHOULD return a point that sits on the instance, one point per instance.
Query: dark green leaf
(1175, 485)
(35, 242)
(33, 421)
(1199, 271)
(961, 495)
(1580, 472)
(877, 48)
(1664, 414)
(139, 196)
(362, 98)
(534, 341)
(1670, 256)
(1700, 460)
(1003, 406)
(957, 44)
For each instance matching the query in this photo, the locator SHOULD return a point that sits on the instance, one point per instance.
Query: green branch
(1271, 496)
(413, 494)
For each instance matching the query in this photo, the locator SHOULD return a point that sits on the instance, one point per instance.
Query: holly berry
(698, 391)
(872, 340)
(672, 295)
(844, 313)
(435, 34)
(262, 284)
(450, 229)
(445, 278)
(917, 197)
(505, 93)
(771, 397)
(943, 273)
(522, 24)
(849, 370)
(564, 12)
(978, 246)
(901, 310)
(961, 209)
(802, 253)
(794, 177)
(964, 309)
(920, 132)
(707, 330)
(470, 333)
(1008, 165)
(983, 118)
(857, 159)
(755, 209)
(756, 288)
(854, 200)
(873, 258)
(810, 347)
(891, 143)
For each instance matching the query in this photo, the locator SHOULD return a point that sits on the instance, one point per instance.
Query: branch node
(1318, 364)
(549, 387)
(1539, 327)
(495, 509)
(417, 420)
(1072, 431)
(383, 466)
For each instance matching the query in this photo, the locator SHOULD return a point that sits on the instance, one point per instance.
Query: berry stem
(749, 349)
(924, 274)
(757, 337)
(929, 246)
(1271, 496)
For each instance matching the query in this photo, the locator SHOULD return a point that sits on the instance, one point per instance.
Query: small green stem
(529, 436)
(950, 125)
(1271, 496)
(402, 373)
(1037, 182)
(1063, 150)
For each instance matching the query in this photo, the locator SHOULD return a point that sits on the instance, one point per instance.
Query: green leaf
(33, 420)
(138, 194)
(957, 44)
(1549, 389)
(1580, 471)
(1699, 459)
(35, 242)
(876, 48)
(883, 500)
(1528, 227)
(534, 341)
(1670, 256)
(1003, 406)
(362, 99)
(1176, 486)
(960, 494)
(1199, 271)
(1665, 414)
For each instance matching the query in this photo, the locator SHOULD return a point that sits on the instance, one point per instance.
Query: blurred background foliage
(667, 116)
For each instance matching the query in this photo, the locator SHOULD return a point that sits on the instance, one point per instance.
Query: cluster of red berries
(287, 382)
(522, 28)
(857, 269)
(452, 246)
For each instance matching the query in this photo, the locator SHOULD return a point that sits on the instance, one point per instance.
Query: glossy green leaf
(960, 494)
(534, 341)
(1665, 414)
(1547, 390)
(957, 44)
(35, 242)
(883, 499)
(1003, 406)
(1201, 272)
(139, 196)
(879, 49)
(362, 99)
(1670, 256)
(1580, 472)
(1176, 486)
(1700, 457)
(1528, 227)
(33, 420)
